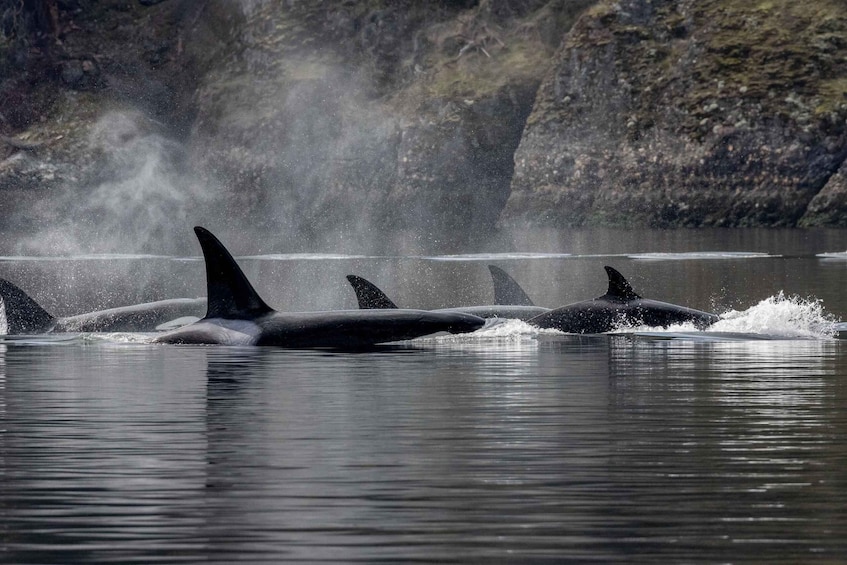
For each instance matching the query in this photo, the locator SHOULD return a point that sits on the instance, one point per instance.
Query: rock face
(689, 113)
(97, 95)
(322, 122)
(305, 118)
(829, 206)
(326, 117)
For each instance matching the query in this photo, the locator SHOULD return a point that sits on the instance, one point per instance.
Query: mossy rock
(671, 114)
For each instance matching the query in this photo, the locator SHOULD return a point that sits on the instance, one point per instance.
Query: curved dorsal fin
(369, 295)
(619, 287)
(230, 294)
(23, 314)
(506, 289)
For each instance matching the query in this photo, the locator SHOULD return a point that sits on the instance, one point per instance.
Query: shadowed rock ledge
(684, 113)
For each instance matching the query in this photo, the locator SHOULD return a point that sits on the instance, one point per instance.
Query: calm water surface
(509, 446)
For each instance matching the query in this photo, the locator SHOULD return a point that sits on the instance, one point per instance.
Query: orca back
(230, 294)
(23, 314)
(507, 291)
(369, 295)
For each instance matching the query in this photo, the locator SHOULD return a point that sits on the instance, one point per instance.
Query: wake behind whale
(777, 317)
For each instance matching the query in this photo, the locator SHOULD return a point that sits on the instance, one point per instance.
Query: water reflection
(88, 475)
(557, 448)
(450, 450)
(737, 429)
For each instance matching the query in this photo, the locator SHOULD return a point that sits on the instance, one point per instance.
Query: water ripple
(537, 448)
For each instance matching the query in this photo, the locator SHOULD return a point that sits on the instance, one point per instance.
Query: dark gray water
(508, 445)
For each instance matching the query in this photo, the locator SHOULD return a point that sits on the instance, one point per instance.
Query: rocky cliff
(325, 119)
(360, 116)
(95, 102)
(690, 113)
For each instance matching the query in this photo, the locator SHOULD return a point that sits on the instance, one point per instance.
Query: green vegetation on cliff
(670, 113)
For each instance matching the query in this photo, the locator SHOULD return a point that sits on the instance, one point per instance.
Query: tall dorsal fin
(230, 294)
(369, 295)
(619, 287)
(23, 314)
(507, 291)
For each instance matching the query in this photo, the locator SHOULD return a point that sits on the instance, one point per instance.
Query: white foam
(304, 257)
(84, 257)
(833, 256)
(495, 329)
(495, 256)
(4, 322)
(776, 316)
(118, 337)
(505, 328)
(686, 327)
(783, 316)
(700, 255)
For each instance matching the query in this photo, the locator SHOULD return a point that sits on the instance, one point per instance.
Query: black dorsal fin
(23, 314)
(369, 295)
(619, 287)
(230, 294)
(507, 291)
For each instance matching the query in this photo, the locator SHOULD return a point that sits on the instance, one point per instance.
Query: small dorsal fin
(230, 294)
(506, 289)
(369, 295)
(619, 287)
(23, 314)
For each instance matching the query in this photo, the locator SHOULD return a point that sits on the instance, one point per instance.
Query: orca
(621, 306)
(371, 296)
(506, 289)
(368, 295)
(237, 315)
(25, 316)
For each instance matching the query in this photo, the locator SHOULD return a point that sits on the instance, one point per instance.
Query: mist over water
(139, 198)
(325, 181)
(290, 150)
(292, 145)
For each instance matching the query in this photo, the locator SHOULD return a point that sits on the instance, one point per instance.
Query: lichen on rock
(665, 114)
